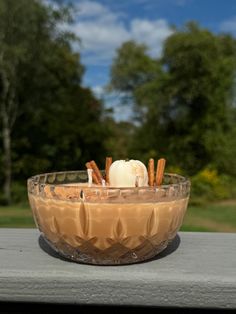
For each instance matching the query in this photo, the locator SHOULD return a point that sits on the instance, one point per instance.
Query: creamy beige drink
(107, 223)
(98, 224)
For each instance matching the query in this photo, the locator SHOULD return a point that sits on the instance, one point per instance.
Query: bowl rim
(36, 179)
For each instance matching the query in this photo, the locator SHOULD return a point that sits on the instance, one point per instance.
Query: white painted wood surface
(198, 270)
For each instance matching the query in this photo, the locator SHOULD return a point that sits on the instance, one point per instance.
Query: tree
(201, 67)
(28, 30)
(188, 112)
(132, 69)
(48, 121)
(62, 135)
(121, 134)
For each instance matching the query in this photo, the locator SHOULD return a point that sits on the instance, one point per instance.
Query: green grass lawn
(219, 217)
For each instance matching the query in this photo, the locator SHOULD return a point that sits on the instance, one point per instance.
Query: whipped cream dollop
(128, 173)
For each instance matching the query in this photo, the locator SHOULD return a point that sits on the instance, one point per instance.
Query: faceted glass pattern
(105, 225)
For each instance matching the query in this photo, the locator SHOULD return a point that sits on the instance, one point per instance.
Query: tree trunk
(6, 137)
(8, 110)
(6, 133)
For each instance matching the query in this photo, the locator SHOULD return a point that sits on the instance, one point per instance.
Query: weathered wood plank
(199, 272)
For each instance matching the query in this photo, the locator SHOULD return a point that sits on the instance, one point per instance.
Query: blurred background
(134, 79)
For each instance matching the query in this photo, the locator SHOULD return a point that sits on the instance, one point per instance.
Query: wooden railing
(198, 270)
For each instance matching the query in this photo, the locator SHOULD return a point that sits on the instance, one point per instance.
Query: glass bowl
(105, 225)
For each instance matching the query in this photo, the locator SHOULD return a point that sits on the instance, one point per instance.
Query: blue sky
(103, 25)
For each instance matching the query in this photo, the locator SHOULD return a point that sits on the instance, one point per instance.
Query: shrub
(19, 192)
(209, 185)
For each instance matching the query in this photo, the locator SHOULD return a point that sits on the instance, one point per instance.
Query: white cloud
(102, 31)
(98, 91)
(152, 33)
(100, 36)
(121, 112)
(229, 25)
(90, 9)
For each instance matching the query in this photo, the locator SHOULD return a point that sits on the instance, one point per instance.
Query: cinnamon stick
(151, 172)
(94, 176)
(160, 171)
(107, 167)
(96, 171)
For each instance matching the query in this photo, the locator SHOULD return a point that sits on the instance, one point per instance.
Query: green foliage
(185, 99)
(120, 136)
(200, 80)
(58, 124)
(208, 185)
(70, 136)
(19, 192)
(132, 67)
